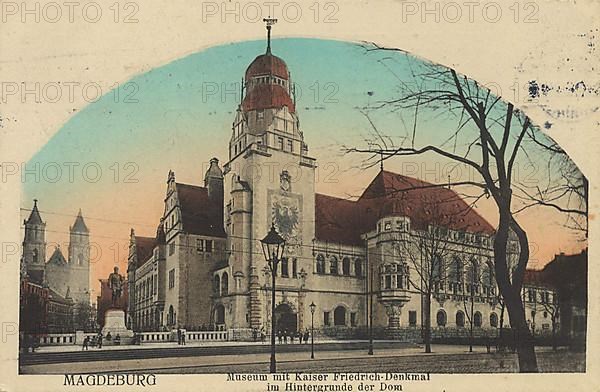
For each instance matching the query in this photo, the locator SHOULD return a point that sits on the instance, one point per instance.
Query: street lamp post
(273, 246)
(312, 330)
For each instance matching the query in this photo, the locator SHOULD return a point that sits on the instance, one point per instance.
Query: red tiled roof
(143, 248)
(343, 221)
(536, 278)
(267, 96)
(267, 64)
(199, 214)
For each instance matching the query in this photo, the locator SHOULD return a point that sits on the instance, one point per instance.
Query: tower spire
(269, 22)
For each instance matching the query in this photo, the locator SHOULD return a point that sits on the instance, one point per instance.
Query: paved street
(445, 359)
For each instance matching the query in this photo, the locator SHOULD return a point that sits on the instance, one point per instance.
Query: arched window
(460, 319)
(320, 264)
(333, 265)
(477, 320)
(216, 286)
(494, 320)
(346, 266)
(487, 274)
(358, 267)
(339, 316)
(224, 284)
(441, 318)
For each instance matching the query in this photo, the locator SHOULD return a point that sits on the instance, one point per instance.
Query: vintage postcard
(299, 195)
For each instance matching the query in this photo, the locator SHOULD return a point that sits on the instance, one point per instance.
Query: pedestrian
(86, 341)
(292, 337)
(285, 335)
(183, 337)
(100, 339)
(254, 334)
(299, 334)
(178, 336)
(306, 336)
(279, 335)
(118, 340)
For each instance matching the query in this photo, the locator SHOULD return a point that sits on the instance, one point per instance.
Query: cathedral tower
(34, 245)
(79, 260)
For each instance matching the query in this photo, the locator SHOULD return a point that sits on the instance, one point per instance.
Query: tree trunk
(427, 313)
(471, 323)
(510, 284)
(524, 340)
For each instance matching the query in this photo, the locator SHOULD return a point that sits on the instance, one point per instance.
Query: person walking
(306, 334)
(178, 336)
(86, 342)
(285, 335)
(183, 337)
(100, 337)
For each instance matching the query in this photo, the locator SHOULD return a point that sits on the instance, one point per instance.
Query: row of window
(459, 319)
(146, 288)
(204, 246)
(339, 317)
(334, 266)
(221, 284)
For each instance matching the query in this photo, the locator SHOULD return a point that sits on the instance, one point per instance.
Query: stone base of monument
(114, 323)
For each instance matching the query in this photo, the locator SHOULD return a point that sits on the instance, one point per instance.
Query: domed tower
(269, 179)
(34, 244)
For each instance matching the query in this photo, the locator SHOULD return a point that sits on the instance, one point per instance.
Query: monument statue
(114, 318)
(115, 283)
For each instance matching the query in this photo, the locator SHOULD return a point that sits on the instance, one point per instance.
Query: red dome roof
(266, 96)
(267, 64)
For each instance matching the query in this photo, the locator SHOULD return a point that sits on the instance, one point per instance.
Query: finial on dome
(269, 22)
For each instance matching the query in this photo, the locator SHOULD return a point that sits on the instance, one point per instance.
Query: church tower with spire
(34, 245)
(79, 260)
(269, 179)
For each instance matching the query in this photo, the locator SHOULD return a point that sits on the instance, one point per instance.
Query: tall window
(358, 267)
(353, 319)
(333, 265)
(460, 319)
(171, 248)
(199, 245)
(320, 264)
(477, 320)
(326, 318)
(225, 284)
(339, 316)
(455, 274)
(494, 320)
(294, 267)
(436, 268)
(216, 285)
(280, 142)
(208, 246)
(441, 318)
(346, 266)
(284, 268)
(172, 278)
(412, 317)
(290, 145)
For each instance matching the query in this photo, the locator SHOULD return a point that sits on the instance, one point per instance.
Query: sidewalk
(210, 362)
(78, 347)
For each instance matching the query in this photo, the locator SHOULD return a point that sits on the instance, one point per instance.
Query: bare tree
(429, 260)
(488, 138)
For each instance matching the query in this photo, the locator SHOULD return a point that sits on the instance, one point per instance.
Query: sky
(111, 159)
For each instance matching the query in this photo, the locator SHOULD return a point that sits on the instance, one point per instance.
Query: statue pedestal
(114, 322)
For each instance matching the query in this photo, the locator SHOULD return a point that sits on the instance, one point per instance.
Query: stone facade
(337, 250)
